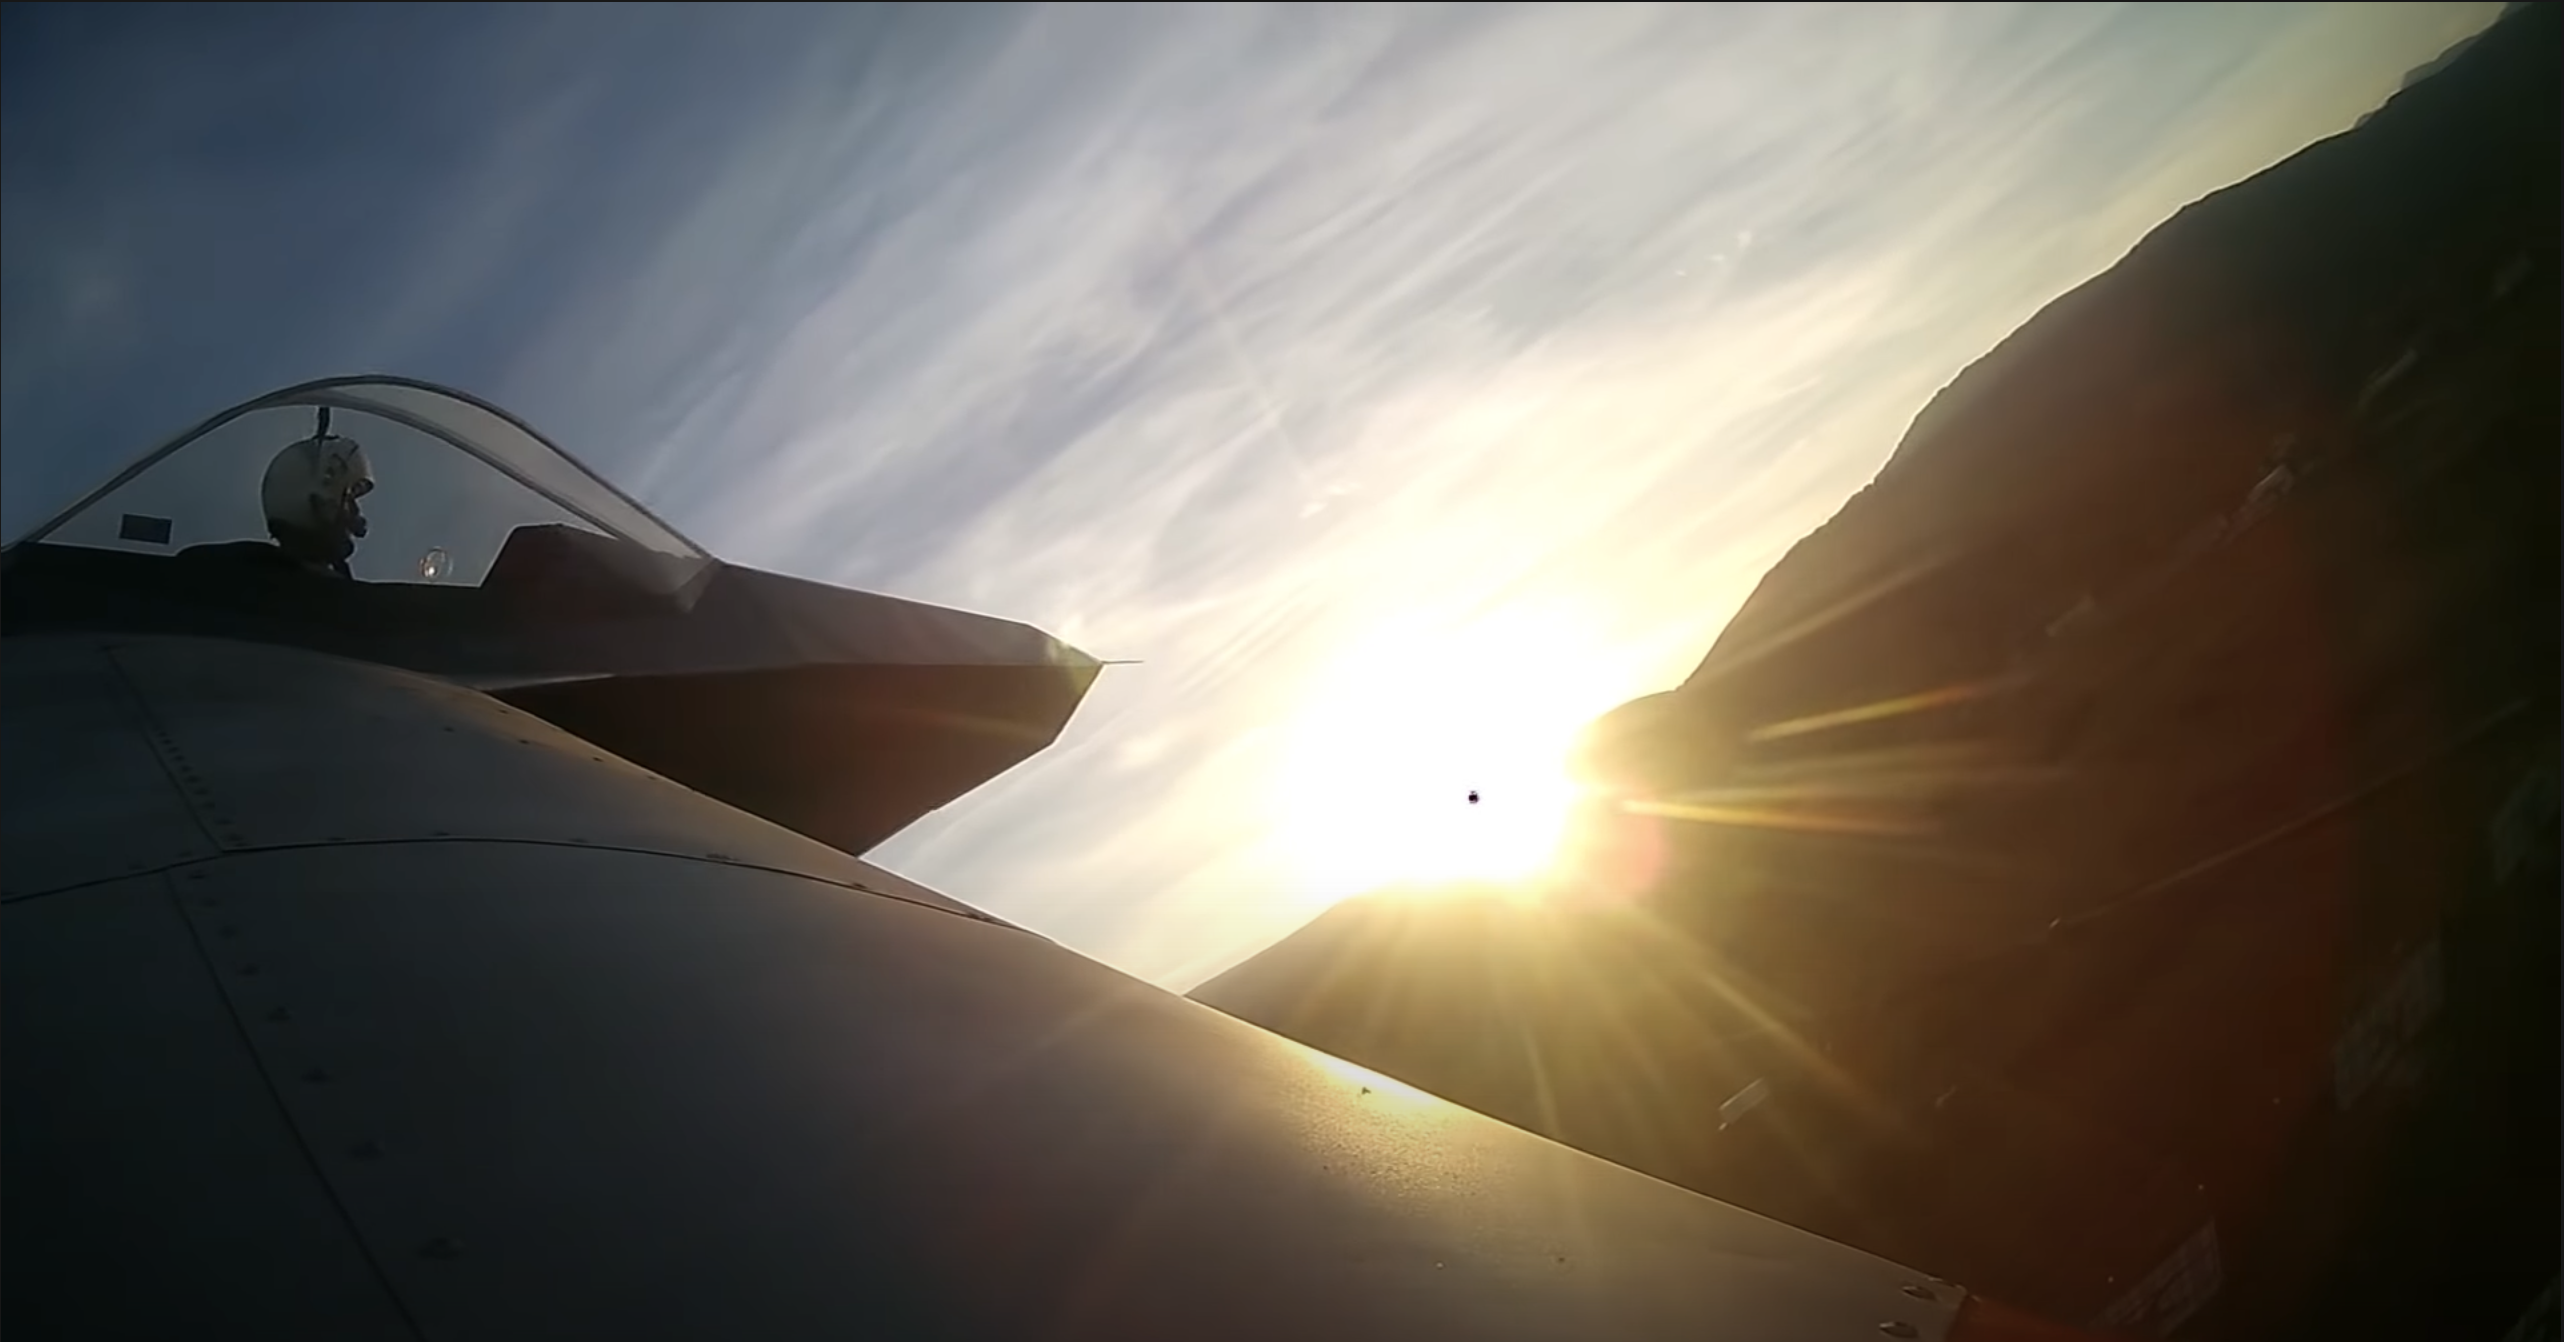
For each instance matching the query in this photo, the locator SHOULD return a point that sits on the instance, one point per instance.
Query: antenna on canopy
(321, 429)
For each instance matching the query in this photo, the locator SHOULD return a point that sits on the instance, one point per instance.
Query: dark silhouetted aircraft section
(493, 958)
(842, 714)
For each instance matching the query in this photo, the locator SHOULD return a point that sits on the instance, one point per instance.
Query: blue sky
(1405, 385)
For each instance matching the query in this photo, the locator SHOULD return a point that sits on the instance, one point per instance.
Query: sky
(1402, 387)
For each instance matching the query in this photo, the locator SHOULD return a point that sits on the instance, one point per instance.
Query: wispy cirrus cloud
(1237, 339)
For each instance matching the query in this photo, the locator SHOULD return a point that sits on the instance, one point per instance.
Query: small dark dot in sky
(1473, 796)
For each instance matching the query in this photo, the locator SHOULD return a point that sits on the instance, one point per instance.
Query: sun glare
(1436, 757)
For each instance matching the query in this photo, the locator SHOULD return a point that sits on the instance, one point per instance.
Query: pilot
(310, 495)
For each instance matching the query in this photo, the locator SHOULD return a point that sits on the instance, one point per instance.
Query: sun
(1395, 737)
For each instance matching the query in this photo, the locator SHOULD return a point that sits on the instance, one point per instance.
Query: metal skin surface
(423, 1019)
(843, 715)
(366, 755)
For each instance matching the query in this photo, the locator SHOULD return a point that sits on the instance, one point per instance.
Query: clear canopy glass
(454, 476)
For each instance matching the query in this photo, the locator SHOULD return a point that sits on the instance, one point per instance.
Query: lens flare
(1437, 756)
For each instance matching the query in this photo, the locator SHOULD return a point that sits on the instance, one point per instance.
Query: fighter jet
(435, 907)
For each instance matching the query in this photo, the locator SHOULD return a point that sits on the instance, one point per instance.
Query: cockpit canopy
(493, 560)
(455, 477)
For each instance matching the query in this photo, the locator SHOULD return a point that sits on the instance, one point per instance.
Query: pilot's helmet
(311, 490)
